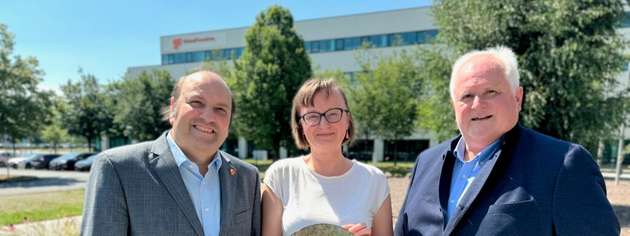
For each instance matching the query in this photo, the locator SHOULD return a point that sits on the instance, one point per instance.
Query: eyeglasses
(333, 115)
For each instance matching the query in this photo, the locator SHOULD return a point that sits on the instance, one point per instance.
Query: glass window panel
(198, 56)
(409, 38)
(171, 59)
(394, 40)
(315, 46)
(189, 57)
(426, 36)
(207, 55)
(307, 47)
(325, 45)
(339, 45)
(626, 20)
(239, 52)
(179, 58)
(376, 41)
(352, 43)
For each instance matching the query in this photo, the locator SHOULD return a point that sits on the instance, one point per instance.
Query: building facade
(332, 44)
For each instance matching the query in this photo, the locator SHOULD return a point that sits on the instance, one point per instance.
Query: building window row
(198, 56)
(315, 46)
(372, 41)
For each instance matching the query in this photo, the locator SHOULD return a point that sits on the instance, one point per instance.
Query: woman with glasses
(324, 187)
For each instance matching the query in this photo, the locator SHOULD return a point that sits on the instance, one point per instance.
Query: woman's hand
(358, 229)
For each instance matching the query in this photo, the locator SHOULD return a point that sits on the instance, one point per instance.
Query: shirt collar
(181, 158)
(460, 150)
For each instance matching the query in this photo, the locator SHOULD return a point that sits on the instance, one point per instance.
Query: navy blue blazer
(538, 185)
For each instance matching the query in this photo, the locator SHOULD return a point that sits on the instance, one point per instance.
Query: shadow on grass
(623, 214)
(30, 181)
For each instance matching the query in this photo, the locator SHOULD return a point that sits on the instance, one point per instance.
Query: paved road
(47, 181)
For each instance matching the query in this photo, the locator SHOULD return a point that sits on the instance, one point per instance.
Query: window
(320, 46)
(325, 45)
(315, 46)
(307, 47)
(339, 45)
(239, 52)
(352, 43)
(409, 38)
(626, 20)
(426, 36)
(376, 41)
(394, 40)
(197, 56)
(207, 55)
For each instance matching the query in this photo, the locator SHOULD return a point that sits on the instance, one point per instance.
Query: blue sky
(105, 37)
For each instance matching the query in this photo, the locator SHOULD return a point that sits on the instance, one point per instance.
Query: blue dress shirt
(464, 172)
(204, 191)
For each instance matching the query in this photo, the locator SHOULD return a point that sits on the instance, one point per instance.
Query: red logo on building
(177, 42)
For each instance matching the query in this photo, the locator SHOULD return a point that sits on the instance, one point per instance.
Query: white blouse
(309, 198)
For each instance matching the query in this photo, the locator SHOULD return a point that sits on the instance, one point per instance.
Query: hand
(358, 229)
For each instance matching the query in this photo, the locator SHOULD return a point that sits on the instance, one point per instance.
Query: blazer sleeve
(400, 228)
(256, 215)
(105, 209)
(580, 206)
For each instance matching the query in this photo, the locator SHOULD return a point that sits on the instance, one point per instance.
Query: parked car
(85, 164)
(66, 162)
(22, 162)
(42, 161)
(4, 158)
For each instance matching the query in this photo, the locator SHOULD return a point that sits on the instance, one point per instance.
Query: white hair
(506, 57)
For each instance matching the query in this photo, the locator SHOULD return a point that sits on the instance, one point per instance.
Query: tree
(54, 133)
(435, 112)
(569, 54)
(23, 108)
(385, 96)
(87, 115)
(273, 66)
(139, 102)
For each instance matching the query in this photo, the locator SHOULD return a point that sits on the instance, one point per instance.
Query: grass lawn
(40, 206)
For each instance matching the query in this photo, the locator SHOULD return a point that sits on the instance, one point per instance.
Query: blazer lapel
(473, 191)
(499, 159)
(164, 166)
(228, 176)
(445, 183)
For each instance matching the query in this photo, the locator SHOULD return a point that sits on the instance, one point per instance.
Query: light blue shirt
(464, 173)
(204, 191)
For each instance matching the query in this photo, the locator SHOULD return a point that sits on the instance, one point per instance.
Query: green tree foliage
(384, 96)
(88, 114)
(267, 76)
(435, 112)
(569, 53)
(139, 102)
(23, 107)
(54, 133)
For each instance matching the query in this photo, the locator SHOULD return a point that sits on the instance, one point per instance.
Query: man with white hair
(497, 177)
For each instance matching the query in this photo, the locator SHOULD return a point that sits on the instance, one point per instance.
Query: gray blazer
(138, 190)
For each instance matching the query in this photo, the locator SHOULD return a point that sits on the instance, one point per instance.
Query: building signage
(177, 42)
(186, 43)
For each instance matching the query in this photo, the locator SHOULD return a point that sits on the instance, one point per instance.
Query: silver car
(22, 162)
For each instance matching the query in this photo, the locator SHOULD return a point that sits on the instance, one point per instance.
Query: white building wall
(396, 21)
